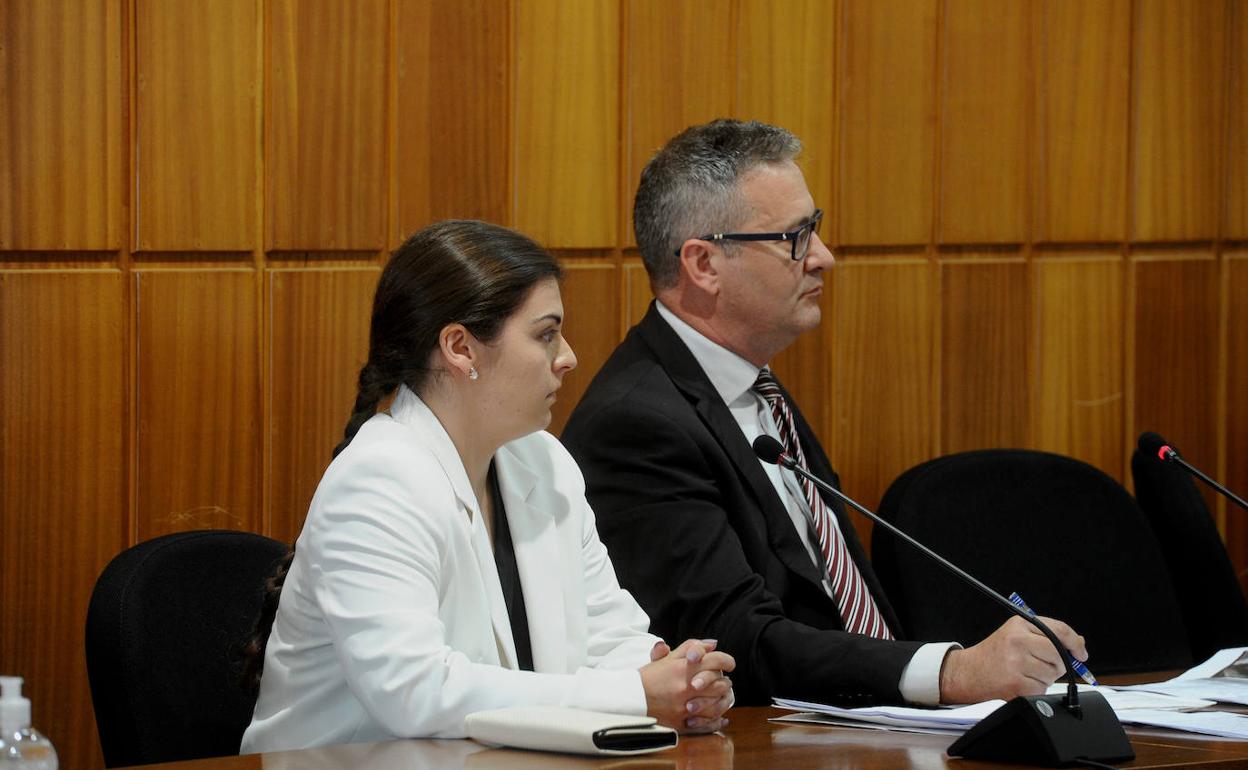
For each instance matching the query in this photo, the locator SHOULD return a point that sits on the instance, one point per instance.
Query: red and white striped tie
(859, 611)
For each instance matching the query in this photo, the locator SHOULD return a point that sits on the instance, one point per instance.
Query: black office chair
(1215, 613)
(165, 630)
(1065, 536)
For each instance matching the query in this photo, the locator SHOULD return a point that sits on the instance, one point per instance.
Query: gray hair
(690, 187)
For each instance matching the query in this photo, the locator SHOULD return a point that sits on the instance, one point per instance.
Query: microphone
(1027, 728)
(1154, 445)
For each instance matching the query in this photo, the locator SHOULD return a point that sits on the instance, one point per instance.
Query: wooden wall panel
(883, 372)
(673, 83)
(567, 137)
(61, 145)
(318, 326)
(1236, 385)
(198, 70)
(591, 311)
(1235, 172)
(984, 122)
(1176, 353)
(1080, 399)
(1082, 86)
(62, 484)
(984, 379)
(786, 78)
(199, 411)
(451, 141)
(1177, 125)
(325, 124)
(887, 127)
(637, 294)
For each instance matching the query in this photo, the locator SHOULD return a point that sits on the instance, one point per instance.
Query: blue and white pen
(1075, 663)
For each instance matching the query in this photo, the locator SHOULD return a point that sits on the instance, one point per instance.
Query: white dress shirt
(733, 379)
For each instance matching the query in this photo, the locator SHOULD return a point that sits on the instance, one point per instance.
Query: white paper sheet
(827, 720)
(1217, 723)
(962, 718)
(1223, 678)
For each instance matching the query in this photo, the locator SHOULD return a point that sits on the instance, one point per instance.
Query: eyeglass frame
(790, 235)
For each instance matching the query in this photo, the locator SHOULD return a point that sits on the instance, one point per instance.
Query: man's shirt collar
(731, 375)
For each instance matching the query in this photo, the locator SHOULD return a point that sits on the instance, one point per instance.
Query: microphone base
(1040, 730)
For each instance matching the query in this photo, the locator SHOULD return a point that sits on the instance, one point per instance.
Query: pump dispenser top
(14, 709)
(21, 746)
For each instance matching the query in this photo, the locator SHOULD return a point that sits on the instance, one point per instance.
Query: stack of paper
(1220, 724)
(902, 718)
(1223, 678)
(1133, 707)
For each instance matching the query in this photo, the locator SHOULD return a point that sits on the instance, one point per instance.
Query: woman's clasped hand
(688, 688)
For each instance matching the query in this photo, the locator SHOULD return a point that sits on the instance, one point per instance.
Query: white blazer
(392, 623)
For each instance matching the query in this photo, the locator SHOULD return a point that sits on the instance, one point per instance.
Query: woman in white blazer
(449, 562)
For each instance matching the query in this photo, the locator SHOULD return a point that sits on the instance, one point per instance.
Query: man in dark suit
(710, 540)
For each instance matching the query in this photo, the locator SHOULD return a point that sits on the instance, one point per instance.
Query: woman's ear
(459, 350)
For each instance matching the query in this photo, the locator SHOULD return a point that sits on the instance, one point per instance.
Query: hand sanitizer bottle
(20, 745)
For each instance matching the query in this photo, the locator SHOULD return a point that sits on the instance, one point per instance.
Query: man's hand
(1015, 660)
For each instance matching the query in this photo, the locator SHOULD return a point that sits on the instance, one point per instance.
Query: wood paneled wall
(1039, 209)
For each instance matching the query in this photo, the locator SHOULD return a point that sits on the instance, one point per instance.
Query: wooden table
(750, 741)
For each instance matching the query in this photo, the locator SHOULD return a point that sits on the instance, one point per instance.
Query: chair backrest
(165, 630)
(1210, 597)
(1065, 536)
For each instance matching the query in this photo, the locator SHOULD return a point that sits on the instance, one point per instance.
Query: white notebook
(554, 728)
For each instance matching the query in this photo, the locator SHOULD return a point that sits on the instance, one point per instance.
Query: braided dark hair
(458, 271)
(253, 652)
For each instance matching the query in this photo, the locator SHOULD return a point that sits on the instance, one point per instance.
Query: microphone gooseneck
(1152, 444)
(1054, 730)
(771, 451)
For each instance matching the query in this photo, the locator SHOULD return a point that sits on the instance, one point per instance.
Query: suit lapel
(536, 543)
(688, 376)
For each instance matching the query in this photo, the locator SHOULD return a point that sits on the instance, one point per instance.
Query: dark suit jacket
(699, 536)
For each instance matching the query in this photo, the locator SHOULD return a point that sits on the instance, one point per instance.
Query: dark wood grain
(196, 187)
(590, 312)
(198, 438)
(1080, 154)
(1235, 475)
(451, 141)
(1176, 354)
(325, 125)
(62, 484)
(61, 112)
(984, 133)
(1176, 134)
(984, 361)
(318, 323)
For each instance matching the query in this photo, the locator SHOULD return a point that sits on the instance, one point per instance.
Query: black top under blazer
(699, 536)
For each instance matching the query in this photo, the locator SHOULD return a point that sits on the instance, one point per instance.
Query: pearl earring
(472, 373)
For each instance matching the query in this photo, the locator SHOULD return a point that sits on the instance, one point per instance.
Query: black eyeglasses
(799, 238)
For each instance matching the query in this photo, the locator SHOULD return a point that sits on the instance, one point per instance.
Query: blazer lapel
(536, 543)
(494, 592)
(688, 376)
(408, 408)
